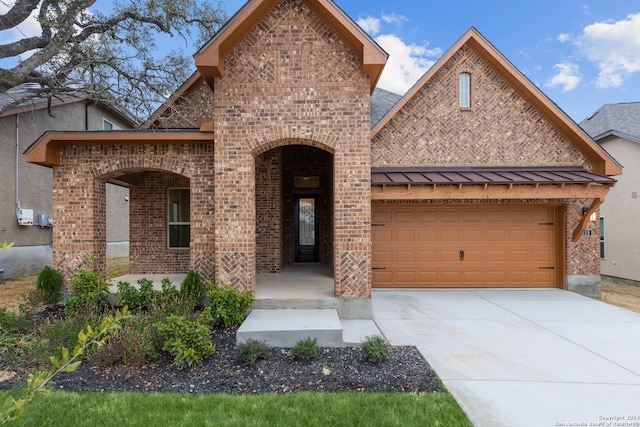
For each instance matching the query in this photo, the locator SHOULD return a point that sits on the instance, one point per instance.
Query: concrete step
(285, 327)
(295, 303)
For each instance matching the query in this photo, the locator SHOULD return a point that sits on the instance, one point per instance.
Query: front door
(306, 229)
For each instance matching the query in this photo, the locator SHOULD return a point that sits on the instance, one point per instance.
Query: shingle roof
(382, 101)
(614, 119)
(21, 92)
(485, 175)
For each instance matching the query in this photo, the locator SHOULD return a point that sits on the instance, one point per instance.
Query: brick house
(270, 157)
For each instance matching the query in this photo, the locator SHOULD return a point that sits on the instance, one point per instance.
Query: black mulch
(333, 370)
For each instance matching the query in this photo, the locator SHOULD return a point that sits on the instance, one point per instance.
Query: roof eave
(45, 151)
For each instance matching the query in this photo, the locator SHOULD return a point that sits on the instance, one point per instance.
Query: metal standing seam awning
(485, 175)
(447, 183)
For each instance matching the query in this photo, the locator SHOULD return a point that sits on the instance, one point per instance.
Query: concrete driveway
(523, 357)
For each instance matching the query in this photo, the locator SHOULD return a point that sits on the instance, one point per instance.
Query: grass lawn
(303, 409)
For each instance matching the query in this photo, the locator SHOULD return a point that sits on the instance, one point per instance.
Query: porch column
(352, 241)
(235, 242)
(202, 220)
(79, 214)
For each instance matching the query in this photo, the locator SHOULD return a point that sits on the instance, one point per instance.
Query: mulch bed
(342, 369)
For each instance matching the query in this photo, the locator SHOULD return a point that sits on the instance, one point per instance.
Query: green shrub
(376, 349)
(50, 283)
(251, 351)
(229, 306)
(134, 344)
(134, 298)
(88, 292)
(14, 323)
(191, 288)
(188, 342)
(305, 349)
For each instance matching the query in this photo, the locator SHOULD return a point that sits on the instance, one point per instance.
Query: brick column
(80, 226)
(203, 219)
(352, 262)
(235, 241)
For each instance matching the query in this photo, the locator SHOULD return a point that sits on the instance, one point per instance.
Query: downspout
(17, 162)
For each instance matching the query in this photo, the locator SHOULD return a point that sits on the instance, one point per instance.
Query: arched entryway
(294, 207)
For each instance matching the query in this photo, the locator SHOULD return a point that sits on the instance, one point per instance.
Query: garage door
(472, 246)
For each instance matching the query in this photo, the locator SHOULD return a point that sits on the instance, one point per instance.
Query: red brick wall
(292, 79)
(500, 128)
(269, 254)
(79, 205)
(148, 248)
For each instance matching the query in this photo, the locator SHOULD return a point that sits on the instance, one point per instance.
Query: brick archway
(79, 200)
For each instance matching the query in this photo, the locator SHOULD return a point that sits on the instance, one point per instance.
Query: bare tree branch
(112, 58)
(18, 13)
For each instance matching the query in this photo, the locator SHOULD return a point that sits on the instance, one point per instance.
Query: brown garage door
(472, 246)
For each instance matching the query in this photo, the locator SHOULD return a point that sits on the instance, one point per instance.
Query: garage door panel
(380, 235)
(496, 236)
(503, 246)
(405, 256)
(541, 235)
(450, 235)
(471, 236)
(426, 236)
(405, 217)
(382, 257)
(427, 256)
(403, 237)
(382, 216)
(427, 216)
(496, 256)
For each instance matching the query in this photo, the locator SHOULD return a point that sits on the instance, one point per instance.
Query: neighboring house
(29, 187)
(616, 127)
(270, 157)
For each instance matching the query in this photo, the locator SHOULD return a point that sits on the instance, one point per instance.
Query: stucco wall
(35, 182)
(621, 210)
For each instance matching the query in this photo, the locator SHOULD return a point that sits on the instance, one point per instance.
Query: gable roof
(622, 120)
(210, 58)
(603, 163)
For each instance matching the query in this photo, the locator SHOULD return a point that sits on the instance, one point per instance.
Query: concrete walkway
(523, 357)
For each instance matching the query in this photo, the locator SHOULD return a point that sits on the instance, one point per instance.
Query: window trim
(170, 223)
(464, 91)
(105, 122)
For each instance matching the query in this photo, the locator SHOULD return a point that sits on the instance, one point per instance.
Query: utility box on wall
(44, 221)
(25, 216)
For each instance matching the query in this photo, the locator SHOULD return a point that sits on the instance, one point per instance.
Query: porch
(294, 304)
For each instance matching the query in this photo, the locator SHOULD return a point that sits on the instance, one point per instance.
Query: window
(602, 255)
(465, 90)
(107, 125)
(178, 213)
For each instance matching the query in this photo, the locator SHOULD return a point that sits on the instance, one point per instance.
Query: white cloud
(615, 47)
(406, 64)
(370, 24)
(563, 38)
(568, 77)
(394, 19)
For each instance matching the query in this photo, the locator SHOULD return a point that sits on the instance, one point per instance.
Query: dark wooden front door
(306, 229)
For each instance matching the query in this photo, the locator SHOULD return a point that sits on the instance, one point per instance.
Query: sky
(581, 53)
